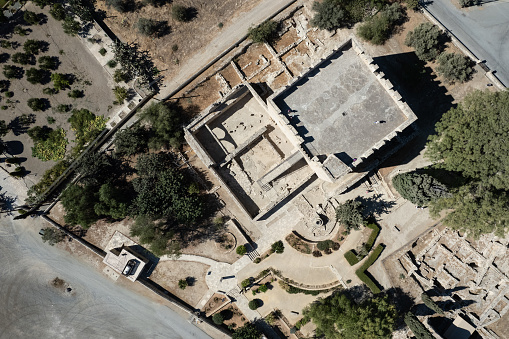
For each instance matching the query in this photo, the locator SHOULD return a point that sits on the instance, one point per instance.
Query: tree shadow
(6, 202)
(191, 281)
(449, 305)
(376, 205)
(191, 13)
(14, 147)
(4, 57)
(162, 28)
(440, 324)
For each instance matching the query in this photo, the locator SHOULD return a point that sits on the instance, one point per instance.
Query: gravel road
(95, 308)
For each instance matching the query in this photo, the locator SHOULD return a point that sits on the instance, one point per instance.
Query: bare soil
(168, 273)
(190, 37)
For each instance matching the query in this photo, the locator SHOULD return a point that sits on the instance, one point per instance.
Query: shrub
(241, 250)
(120, 5)
(317, 254)
(103, 51)
(179, 13)
(360, 272)
(37, 104)
(329, 15)
(5, 44)
(120, 75)
(57, 11)
(263, 288)
(49, 91)
(13, 72)
(324, 245)
(60, 81)
(9, 94)
(20, 30)
(412, 4)
(52, 235)
(76, 93)
(147, 26)
(182, 284)
(63, 108)
(257, 260)
(120, 93)
(264, 32)
(245, 283)
(468, 3)
(218, 318)
(379, 27)
(454, 67)
(425, 38)
(335, 246)
(351, 257)
(254, 304)
(175, 48)
(112, 64)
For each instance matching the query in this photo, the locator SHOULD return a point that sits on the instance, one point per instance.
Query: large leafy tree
(113, 201)
(339, 317)
(419, 188)
(477, 209)
(350, 214)
(425, 38)
(131, 141)
(329, 15)
(454, 67)
(166, 124)
(472, 138)
(79, 202)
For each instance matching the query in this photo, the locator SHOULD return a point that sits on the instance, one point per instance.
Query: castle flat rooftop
(335, 107)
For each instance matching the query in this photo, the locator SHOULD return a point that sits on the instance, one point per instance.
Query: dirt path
(228, 37)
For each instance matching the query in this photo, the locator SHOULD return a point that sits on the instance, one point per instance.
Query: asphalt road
(95, 308)
(483, 29)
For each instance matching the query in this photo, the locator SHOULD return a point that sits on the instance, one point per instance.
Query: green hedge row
(361, 270)
(372, 237)
(351, 257)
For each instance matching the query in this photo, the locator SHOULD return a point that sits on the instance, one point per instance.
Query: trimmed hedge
(351, 258)
(372, 237)
(361, 270)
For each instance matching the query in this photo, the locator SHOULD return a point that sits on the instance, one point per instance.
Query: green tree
(71, 26)
(338, 317)
(470, 138)
(37, 104)
(76, 93)
(131, 141)
(79, 202)
(31, 18)
(36, 76)
(426, 299)
(166, 124)
(84, 9)
(151, 165)
(379, 27)
(39, 133)
(418, 329)
(241, 250)
(22, 58)
(350, 214)
(52, 235)
(33, 46)
(119, 75)
(254, 304)
(454, 67)
(57, 11)
(43, 3)
(248, 331)
(264, 32)
(134, 61)
(182, 284)
(35, 191)
(477, 209)
(278, 247)
(419, 188)
(425, 38)
(60, 81)
(13, 72)
(95, 168)
(49, 63)
(179, 13)
(329, 15)
(113, 201)
(218, 318)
